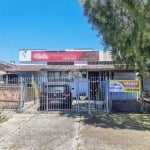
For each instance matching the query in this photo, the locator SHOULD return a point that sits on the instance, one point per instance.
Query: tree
(125, 28)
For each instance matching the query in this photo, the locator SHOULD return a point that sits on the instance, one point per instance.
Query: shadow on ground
(132, 121)
(115, 120)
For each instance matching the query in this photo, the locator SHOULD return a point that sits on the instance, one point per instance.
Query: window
(55, 88)
(58, 75)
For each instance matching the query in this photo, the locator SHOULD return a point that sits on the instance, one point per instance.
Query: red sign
(124, 85)
(64, 56)
(131, 84)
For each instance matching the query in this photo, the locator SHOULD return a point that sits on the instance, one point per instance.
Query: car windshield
(55, 88)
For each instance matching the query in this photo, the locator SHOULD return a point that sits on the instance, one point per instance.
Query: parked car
(55, 94)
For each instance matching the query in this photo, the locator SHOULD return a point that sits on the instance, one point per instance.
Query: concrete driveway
(60, 131)
(38, 131)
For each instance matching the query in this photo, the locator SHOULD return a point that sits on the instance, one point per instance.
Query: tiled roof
(4, 65)
(25, 68)
(35, 68)
(78, 67)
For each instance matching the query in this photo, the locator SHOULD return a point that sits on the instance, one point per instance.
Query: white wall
(24, 55)
(105, 56)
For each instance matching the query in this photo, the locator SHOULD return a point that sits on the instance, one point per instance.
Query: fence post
(89, 103)
(47, 99)
(107, 95)
(77, 87)
(21, 93)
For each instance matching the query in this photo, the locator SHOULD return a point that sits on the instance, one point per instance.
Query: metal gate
(92, 95)
(77, 95)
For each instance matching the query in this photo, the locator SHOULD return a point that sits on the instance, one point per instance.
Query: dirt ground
(65, 131)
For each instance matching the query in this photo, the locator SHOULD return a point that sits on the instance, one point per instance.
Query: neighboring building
(3, 67)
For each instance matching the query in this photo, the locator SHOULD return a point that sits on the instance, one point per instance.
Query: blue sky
(43, 24)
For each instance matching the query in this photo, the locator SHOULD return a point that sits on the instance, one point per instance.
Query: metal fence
(43, 94)
(9, 95)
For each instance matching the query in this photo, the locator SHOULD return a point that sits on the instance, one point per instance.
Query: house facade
(86, 70)
(69, 63)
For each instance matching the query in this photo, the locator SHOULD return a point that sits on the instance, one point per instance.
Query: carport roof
(35, 68)
(25, 68)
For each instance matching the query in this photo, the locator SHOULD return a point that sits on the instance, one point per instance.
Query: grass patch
(2, 117)
(120, 121)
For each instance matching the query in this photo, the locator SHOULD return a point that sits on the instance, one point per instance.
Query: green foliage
(36, 90)
(2, 117)
(125, 28)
